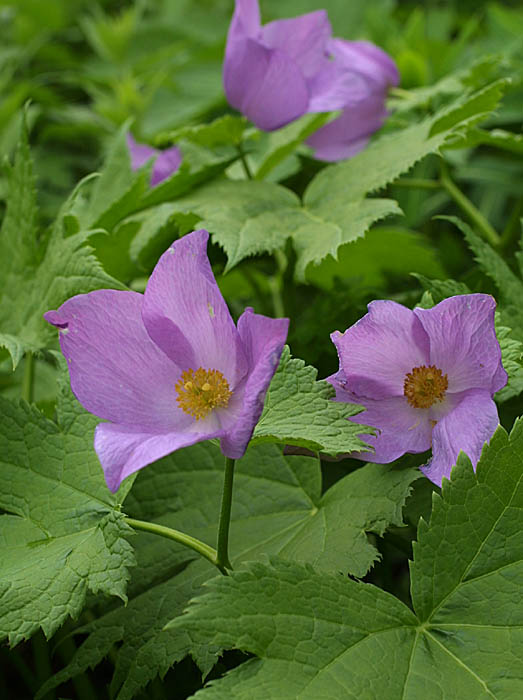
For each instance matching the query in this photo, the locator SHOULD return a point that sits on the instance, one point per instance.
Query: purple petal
(123, 449)
(367, 59)
(264, 84)
(350, 133)
(186, 315)
(263, 339)
(467, 427)
(335, 87)
(116, 371)
(463, 342)
(166, 162)
(401, 429)
(246, 19)
(139, 152)
(303, 38)
(379, 350)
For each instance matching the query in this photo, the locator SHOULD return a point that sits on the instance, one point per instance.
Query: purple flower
(425, 377)
(165, 164)
(276, 73)
(168, 368)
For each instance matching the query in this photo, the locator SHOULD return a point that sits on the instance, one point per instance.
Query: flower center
(202, 390)
(424, 386)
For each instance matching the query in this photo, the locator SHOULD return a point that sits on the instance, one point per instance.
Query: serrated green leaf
(509, 284)
(40, 272)
(277, 508)
(300, 411)
(223, 131)
(64, 534)
(317, 635)
(249, 218)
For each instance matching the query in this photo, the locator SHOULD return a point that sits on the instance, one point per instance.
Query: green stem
(222, 559)
(41, 661)
(418, 182)
(186, 540)
(28, 378)
(469, 208)
(243, 158)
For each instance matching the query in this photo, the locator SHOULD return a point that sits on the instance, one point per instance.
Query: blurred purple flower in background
(165, 164)
(277, 72)
(425, 377)
(168, 368)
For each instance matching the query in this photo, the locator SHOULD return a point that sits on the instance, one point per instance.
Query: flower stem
(469, 208)
(186, 540)
(243, 158)
(222, 559)
(28, 378)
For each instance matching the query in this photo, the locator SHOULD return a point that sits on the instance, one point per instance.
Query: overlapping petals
(126, 352)
(165, 164)
(277, 72)
(378, 353)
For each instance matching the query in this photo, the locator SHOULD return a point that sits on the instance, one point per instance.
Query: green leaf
(63, 534)
(224, 131)
(277, 508)
(509, 284)
(40, 272)
(249, 218)
(300, 411)
(318, 635)
(278, 145)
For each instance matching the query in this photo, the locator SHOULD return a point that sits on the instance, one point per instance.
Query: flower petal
(186, 315)
(401, 429)
(335, 87)
(264, 84)
(365, 58)
(463, 342)
(123, 450)
(349, 134)
(380, 349)
(263, 339)
(304, 38)
(140, 153)
(167, 163)
(467, 427)
(116, 371)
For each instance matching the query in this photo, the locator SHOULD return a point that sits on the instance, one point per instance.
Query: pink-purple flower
(426, 378)
(168, 368)
(277, 72)
(165, 163)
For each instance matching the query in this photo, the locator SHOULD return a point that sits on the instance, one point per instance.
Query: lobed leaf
(317, 635)
(63, 533)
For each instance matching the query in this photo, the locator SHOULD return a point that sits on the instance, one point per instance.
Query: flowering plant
(167, 368)
(176, 489)
(425, 377)
(277, 72)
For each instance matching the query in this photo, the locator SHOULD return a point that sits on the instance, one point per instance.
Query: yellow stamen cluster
(202, 390)
(424, 386)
